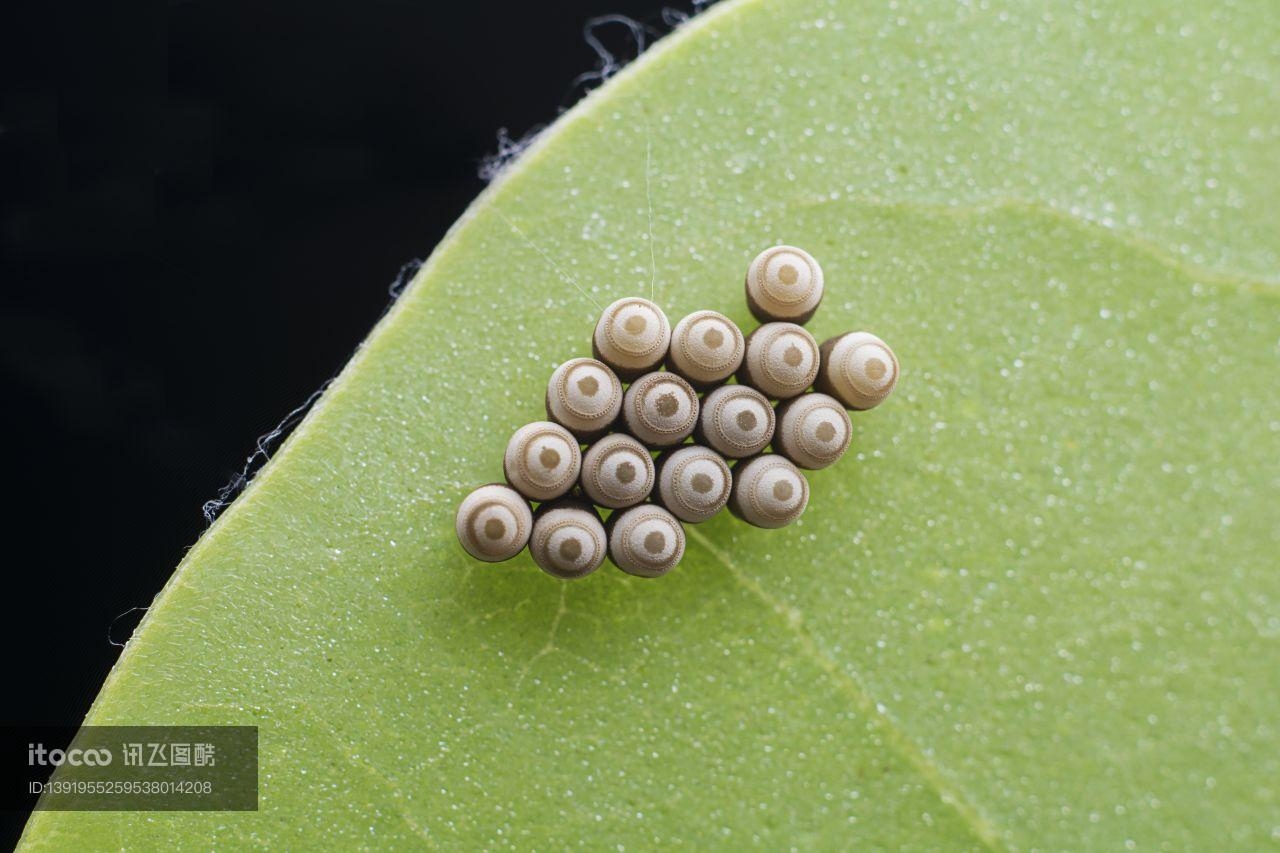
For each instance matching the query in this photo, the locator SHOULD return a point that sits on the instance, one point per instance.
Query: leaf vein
(969, 811)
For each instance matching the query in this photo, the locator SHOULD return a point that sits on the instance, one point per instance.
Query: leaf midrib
(791, 618)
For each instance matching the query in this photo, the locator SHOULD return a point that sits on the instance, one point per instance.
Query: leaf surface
(1036, 606)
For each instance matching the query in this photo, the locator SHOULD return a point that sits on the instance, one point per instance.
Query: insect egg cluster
(731, 420)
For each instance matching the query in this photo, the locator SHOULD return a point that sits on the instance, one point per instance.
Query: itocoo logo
(37, 754)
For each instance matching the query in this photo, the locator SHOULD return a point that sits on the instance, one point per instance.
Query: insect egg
(784, 283)
(493, 523)
(693, 483)
(813, 430)
(706, 347)
(632, 337)
(736, 421)
(646, 541)
(660, 409)
(858, 369)
(584, 396)
(617, 471)
(781, 360)
(768, 491)
(568, 539)
(542, 461)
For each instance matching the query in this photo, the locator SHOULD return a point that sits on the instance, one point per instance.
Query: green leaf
(1039, 606)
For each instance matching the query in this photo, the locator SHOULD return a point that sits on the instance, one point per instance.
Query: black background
(201, 208)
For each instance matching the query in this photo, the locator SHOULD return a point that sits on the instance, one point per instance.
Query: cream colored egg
(646, 541)
(542, 461)
(768, 491)
(568, 540)
(781, 360)
(632, 337)
(813, 430)
(858, 369)
(617, 472)
(660, 409)
(693, 483)
(493, 523)
(784, 283)
(706, 347)
(736, 421)
(584, 396)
